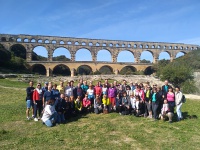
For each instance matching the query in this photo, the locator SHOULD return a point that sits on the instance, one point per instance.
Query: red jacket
(36, 95)
(86, 102)
(98, 90)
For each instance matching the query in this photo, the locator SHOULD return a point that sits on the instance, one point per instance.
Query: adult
(171, 102)
(155, 103)
(97, 105)
(178, 102)
(98, 89)
(45, 87)
(68, 90)
(55, 92)
(85, 87)
(29, 100)
(90, 93)
(165, 88)
(61, 87)
(148, 105)
(78, 91)
(47, 96)
(60, 107)
(112, 93)
(50, 115)
(37, 101)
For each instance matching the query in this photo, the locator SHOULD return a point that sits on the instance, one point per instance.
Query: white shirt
(90, 92)
(48, 112)
(133, 102)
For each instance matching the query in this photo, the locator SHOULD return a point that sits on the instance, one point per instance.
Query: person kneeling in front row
(50, 115)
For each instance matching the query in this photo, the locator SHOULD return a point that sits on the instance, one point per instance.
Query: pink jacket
(86, 102)
(139, 93)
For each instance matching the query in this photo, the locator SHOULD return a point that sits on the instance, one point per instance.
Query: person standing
(61, 87)
(29, 100)
(178, 102)
(37, 101)
(165, 88)
(47, 96)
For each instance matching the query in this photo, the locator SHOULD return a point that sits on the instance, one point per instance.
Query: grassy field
(110, 131)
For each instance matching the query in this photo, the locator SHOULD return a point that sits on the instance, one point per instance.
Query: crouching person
(106, 104)
(78, 105)
(50, 115)
(87, 104)
(97, 105)
(166, 113)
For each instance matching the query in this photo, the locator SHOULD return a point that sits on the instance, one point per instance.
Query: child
(118, 102)
(106, 103)
(86, 104)
(78, 105)
(164, 110)
(133, 104)
(97, 105)
(67, 108)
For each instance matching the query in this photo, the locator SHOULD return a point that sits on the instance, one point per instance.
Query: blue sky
(132, 20)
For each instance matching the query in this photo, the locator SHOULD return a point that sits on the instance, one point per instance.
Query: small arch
(117, 45)
(104, 55)
(186, 48)
(123, 45)
(76, 43)
(175, 47)
(170, 47)
(141, 46)
(18, 50)
(62, 42)
(111, 44)
(33, 41)
(38, 69)
(3, 39)
(147, 46)
(146, 56)
(149, 70)
(153, 46)
(191, 48)
(128, 70)
(181, 47)
(39, 53)
(61, 54)
(180, 54)
(106, 70)
(125, 56)
(159, 46)
(83, 55)
(69, 42)
(11, 39)
(61, 70)
(19, 39)
(53, 42)
(164, 55)
(90, 44)
(39, 41)
(26, 40)
(135, 45)
(97, 44)
(164, 47)
(129, 45)
(83, 43)
(104, 44)
(84, 70)
(46, 41)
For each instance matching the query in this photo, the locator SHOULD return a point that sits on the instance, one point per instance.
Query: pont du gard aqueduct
(51, 43)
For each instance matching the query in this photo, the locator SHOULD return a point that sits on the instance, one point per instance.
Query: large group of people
(55, 104)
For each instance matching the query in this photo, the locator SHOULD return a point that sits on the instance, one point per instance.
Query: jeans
(178, 111)
(29, 103)
(51, 121)
(155, 109)
(60, 118)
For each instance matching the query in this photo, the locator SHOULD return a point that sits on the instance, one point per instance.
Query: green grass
(110, 131)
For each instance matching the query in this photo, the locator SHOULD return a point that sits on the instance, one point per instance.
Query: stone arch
(164, 55)
(61, 53)
(128, 70)
(90, 44)
(26, 40)
(104, 55)
(106, 69)
(19, 39)
(39, 69)
(18, 50)
(39, 41)
(33, 40)
(11, 39)
(61, 70)
(147, 55)
(62, 42)
(125, 56)
(39, 53)
(84, 70)
(149, 70)
(46, 41)
(53, 41)
(180, 54)
(3, 39)
(83, 54)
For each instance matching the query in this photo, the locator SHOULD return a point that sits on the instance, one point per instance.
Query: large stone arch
(128, 70)
(83, 55)
(62, 50)
(160, 57)
(103, 55)
(19, 50)
(180, 52)
(36, 51)
(149, 70)
(125, 56)
(39, 69)
(144, 53)
(106, 69)
(84, 70)
(62, 70)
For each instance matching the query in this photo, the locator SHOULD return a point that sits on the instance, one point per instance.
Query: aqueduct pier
(51, 43)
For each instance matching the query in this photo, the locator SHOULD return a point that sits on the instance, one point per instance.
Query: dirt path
(192, 96)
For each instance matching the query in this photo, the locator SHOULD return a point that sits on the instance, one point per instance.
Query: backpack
(183, 100)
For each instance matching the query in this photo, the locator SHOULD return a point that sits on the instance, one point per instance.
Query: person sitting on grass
(106, 104)
(86, 104)
(67, 108)
(78, 105)
(133, 104)
(97, 105)
(50, 115)
(60, 106)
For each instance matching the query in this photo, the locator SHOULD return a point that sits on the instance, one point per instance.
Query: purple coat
(112, 92)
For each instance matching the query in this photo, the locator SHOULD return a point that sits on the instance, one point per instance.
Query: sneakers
(28, 118)
(35, 119)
